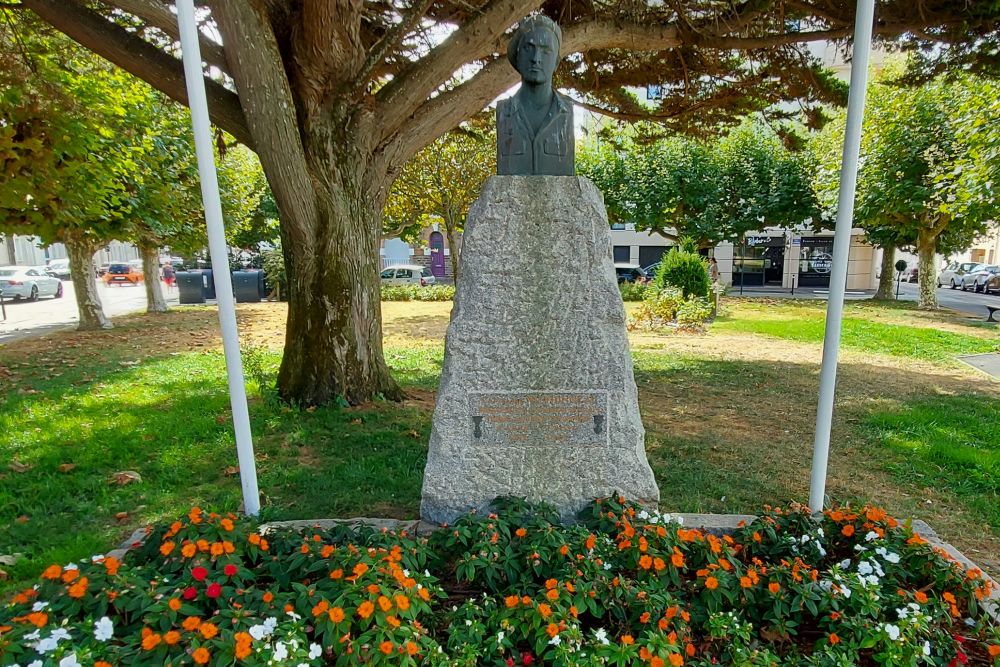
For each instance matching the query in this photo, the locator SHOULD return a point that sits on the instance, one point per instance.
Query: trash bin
(247, 286)
(208, 283)
(190, 287)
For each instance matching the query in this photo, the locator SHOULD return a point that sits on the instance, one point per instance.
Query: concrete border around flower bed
(718, 524)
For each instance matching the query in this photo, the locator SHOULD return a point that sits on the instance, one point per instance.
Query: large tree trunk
(449, 226)
(927, 268)
(81, 265)
(333, 339)
(886, 282)
(155, 303)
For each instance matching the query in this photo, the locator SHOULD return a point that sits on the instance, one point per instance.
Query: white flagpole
(841, 249)
(217, 247)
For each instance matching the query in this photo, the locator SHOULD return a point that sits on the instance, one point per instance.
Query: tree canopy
(710, 191)
(336, 95)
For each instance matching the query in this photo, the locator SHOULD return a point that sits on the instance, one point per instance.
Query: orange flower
(689, 649)
(227, 525)
(677, 558)
(174, 604)
(101, 663)
(552, 630)
(590, 543)
(645, 562)
(402, 602)
(424, 594)
(217, 549)
(511, 601)
(360, 569)
(337, 574)
(191, 623)
(171, 638)
(833, 639)
(201, 655)
(521, 532)
(392, 620)
(208, 630)
(38, 618)
(774, 587)
(676, 660)
(268, 597)
(544, 610)
(366, 609)
(385, 647)
(336, 614)
(745, 582)
(552, 594)
(189, 550)
(327, 551)
(921, 597)
(627, 640)
(70, 575)
(847, 530)
(52, 572)
(254, 539)
(195, 515)
(711, 583)
(412, 649)
(993, 650)
(384, 603)
(79, 589)
(151, 641)
(111, 565)
(644, 618)
(166, 548)
(320, 608)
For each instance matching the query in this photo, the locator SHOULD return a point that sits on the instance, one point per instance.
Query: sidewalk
(821, 293)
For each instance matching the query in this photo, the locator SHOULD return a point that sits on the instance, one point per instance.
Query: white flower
(468, 621)
(892, 558)
(104, 629)
(70, 661)
(892, 631)
(33, 635)
(258, 632)
(927, 648)
(406, 573)
(500, 636)
(643, 515)
(902, 612)
(96, 559)
(607, 566)
(844, 564)
(38, 606)
(846, 592)
(872, 535)
(804, 539)
(47, 644)
(280, 652)
(293, 615)
(555, 641)
(819, 531)
(72, 566)
(602, 636)
(864, 568)
(36, 663)
(315, 651)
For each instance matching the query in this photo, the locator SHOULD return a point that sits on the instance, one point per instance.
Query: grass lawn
(729, 419)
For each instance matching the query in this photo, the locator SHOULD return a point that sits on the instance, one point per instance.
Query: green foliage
(633, 291)
(627, 585)
(417, 293)
(710, 192)
(247, 203)
(658, 308)
(694, 312)
(687, 271)
(274, 267)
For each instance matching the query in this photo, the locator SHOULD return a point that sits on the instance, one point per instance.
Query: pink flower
(214, 590)
(199, 573)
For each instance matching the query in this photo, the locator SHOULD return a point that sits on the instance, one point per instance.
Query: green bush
(634, 291)
(694, 312)
(626, 585)
(658, 308)
(417, 293)
(274, 268)
(686, 271)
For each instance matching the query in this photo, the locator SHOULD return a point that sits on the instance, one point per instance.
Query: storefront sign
(752, 241)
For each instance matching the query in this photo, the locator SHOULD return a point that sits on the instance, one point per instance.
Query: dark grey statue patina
(535, 125)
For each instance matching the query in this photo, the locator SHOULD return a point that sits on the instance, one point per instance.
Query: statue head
(534, 49)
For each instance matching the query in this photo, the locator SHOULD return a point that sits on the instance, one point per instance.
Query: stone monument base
(537, 396)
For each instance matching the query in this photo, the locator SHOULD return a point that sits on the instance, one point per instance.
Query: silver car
(407, 274)
(28, 282)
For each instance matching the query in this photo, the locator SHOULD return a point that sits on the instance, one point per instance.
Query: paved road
(965, 302)
(26, 319)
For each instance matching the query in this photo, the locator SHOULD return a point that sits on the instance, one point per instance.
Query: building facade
(28, 251)
(431, 250)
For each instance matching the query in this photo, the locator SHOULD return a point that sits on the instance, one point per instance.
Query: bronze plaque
(539, 418)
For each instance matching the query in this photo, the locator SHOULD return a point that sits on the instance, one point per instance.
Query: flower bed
(623, 587)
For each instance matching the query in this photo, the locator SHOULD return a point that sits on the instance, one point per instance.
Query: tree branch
(390, 41)
(156, 15)
(271, 115)
(399, 99)
(140, 58)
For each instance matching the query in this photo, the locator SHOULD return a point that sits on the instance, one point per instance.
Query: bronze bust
(535, 125)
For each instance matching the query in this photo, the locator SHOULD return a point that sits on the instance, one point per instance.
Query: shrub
(694, 312)
(633, 291)
(658, 308)
(686, 271)
(625, 586)
(273, 263)
(417, 293)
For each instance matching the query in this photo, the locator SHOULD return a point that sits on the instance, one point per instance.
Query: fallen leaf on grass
(413, 434)
(124, 477)
(121, 516)
(22, 519)
(3, 575)
(231, 470)
(66, 467)
(356, 422)
(17, 466)
(10, 559)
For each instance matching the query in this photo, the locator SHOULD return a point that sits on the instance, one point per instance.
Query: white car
(407, 274)
(28, 282)
(59, 268)
(978, 278)
(951, 275)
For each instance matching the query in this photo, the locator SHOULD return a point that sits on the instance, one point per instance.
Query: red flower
(214, 590)
(510, 662)
(230, 570)
(190, 593)
(199, 573)
(527, 659)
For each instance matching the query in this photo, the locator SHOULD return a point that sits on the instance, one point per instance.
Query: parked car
(651, 270)
(103, 268)
(629, 273)
(952, 274)
(978, 278)
(910, 275)
(58, 268)
(122, 274)
(407, 274)
(28, 282)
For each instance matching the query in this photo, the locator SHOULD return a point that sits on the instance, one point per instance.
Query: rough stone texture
(537, 351)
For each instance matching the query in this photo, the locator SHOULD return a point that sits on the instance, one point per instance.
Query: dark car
(630, 273)
(911, 275)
